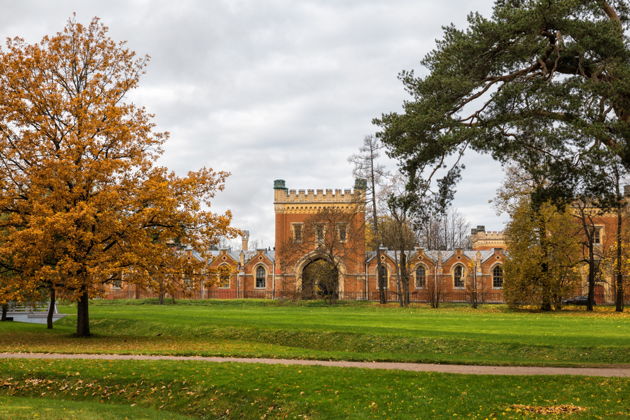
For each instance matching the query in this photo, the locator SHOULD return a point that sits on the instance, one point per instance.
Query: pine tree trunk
(619, 303)
(83, 319)
(546, 287)
(51, 309)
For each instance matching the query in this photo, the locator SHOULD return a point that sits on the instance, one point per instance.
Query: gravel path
(621, 372)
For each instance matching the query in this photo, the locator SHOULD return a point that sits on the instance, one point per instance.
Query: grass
(232, 390)
(350, 331)
(22, 408)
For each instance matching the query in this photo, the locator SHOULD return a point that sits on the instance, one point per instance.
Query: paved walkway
(621, 372)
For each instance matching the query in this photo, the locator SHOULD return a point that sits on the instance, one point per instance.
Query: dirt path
(621, 372)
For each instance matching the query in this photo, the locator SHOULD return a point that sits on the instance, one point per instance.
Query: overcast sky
(272, 89)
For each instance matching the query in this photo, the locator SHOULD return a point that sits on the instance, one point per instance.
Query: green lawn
(352, 331)
(240, 391)
(23, 408)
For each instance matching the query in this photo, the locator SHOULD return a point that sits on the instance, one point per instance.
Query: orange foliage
(82, 199)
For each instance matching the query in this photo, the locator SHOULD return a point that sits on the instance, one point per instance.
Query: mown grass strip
(232, 390)
(23, 408)
(349, 331)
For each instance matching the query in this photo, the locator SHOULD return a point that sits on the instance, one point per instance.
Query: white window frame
(463, 276)
(415, 274)
(256, 276)
(499, 265)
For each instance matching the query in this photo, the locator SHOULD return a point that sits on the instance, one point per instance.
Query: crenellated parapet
(313, 200)
(482, 239)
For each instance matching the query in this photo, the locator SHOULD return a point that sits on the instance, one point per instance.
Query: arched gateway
(320, 241)
(320, 280)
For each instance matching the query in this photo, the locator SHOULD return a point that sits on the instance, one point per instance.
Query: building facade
(320, 234)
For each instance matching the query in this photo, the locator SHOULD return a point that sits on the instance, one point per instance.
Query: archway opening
(320, 280)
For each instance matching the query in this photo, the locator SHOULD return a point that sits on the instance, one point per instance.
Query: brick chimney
(245, 240)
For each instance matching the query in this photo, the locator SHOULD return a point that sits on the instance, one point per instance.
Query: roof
(248, 255)
(434, 255)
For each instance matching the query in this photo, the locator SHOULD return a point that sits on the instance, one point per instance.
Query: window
(382, 277)
(319, 233)
(458, 276)
(224, 277)
(342, 230)
(297, 232)
(117, 284)
(597, 235)
(421, 277)
(261, 277)
(497, 277)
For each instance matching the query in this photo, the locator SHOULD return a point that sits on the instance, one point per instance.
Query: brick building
(304, 244)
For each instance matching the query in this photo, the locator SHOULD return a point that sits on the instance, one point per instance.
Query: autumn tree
(83, 198)
(7, 293)
(542, 265)
(542, 237)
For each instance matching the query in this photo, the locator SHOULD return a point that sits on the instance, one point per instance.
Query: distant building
(267, 274)
(482, 239)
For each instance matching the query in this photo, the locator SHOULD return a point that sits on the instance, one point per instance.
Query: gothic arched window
(421, 277)
(458, 276)
(497, 277)
(261, 277)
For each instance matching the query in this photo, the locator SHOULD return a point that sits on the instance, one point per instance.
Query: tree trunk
(382, 295)
(546, 303)
(5, 309)
(619, 303)
(51, 309)
(83, 319)
(546, 290)
(404, 277)
(474, 296)
(591, 277)
(399, 289)
(546, 287)
(381, 279)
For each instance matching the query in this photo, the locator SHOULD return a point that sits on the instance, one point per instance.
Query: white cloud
(275, 89)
